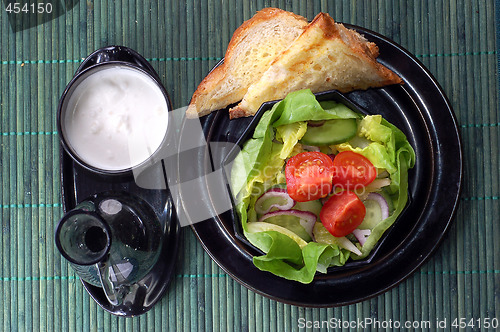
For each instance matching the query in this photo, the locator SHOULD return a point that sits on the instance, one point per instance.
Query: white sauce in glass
(116, 118)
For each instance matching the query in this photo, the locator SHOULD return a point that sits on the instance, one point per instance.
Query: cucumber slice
(331, 132)
(311, 206)
(377, 209)
(373, 215)
(292, 223)
(256, 227)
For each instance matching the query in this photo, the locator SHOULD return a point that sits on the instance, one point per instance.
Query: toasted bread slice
(253, 46)
(326, 56)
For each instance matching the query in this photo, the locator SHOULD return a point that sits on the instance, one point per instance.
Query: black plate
(421, 110)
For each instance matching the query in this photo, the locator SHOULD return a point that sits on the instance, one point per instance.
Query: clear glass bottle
(112, 240)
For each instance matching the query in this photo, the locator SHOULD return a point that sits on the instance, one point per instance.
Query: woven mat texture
(457, 40)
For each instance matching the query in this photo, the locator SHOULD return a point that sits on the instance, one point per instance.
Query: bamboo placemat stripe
(213, 58)
(211, 277)
(457, 41)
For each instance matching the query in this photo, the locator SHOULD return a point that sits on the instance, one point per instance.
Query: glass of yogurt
(113, 117)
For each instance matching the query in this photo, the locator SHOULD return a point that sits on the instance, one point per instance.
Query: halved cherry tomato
(342, 213)
(351, 170)
(309, 176)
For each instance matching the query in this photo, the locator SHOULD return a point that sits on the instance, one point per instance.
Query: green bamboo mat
(456, 39)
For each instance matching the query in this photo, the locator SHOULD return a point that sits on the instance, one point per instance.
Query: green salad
(319, 184)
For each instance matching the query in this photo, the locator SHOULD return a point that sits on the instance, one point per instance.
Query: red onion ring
(284, 203)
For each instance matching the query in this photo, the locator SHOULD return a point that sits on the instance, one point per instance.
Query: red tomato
(351, 170)
(342, 213)
(309, 176)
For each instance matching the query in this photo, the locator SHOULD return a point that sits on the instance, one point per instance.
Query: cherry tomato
(309, 176)
(342, 213)
(351, 170)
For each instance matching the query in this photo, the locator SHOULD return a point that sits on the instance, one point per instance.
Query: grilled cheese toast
(326, 56)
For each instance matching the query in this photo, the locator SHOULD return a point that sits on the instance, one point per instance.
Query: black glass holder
(79, 181)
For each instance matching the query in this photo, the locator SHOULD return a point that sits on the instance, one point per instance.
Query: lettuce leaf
(302, 106)
(290, 135)
(287, 260)
(258, 160)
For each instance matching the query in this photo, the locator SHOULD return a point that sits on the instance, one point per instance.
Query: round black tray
(421, 110)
